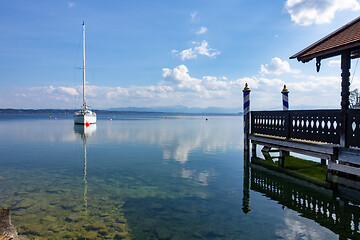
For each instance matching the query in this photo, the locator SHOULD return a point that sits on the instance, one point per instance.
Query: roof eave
(302, 52)
(355, 46)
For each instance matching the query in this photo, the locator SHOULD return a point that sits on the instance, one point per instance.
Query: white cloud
(180, 79)
(178, 74)
(202, 30)
(179, 87)
(277, 67)
(193, 15)
(334, 63)
(43, 96)
(66, 90)
(297, 227)
(185, 54)
(307, 12)
(204, 49)
(192, 53)
(71, 4)
(61, 91)
(213, 83)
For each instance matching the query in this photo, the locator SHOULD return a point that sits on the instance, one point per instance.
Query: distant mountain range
(179, 109)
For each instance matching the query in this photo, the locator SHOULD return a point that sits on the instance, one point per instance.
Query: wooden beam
(300, 151)
(266, 149)
(319, 148)
(344, 168)
(344, 181)
(350, 156)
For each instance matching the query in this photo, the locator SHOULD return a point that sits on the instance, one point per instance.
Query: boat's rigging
(84, 103)
(84, 115)
(76, 67)
(89, 74)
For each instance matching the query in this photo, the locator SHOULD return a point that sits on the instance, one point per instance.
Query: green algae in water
(307, 168)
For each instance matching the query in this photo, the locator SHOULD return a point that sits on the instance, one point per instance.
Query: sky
(197, 53)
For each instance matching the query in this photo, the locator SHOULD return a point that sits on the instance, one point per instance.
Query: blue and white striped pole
(285, 98)
(246, 99)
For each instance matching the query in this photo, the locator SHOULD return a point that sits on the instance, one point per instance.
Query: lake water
(151, 177)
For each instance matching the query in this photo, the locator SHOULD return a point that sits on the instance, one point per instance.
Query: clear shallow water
(148, 178)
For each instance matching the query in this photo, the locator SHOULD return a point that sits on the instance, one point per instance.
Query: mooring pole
(246, 99)
(246, 183)
(246, 187)
(285, 98)
(345, 92)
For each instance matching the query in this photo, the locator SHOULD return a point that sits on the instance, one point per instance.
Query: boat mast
(84, 104)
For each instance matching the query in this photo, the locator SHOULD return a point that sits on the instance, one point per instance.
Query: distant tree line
(354, 98)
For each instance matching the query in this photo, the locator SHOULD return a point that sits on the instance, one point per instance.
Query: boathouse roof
(344, 39)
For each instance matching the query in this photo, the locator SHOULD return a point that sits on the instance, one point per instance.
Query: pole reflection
(85, 132)
(246, 183)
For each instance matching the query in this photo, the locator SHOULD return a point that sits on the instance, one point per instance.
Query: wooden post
(282, 155)
(246, 100)
(253, 150)
(285, 98)
(345, 92)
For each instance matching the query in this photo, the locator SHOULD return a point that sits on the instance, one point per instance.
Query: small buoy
(87, 124)
(107, 117)
(110, 119)
(55, 118)
(165, 117)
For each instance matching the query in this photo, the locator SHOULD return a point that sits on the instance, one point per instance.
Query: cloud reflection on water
(179, 138)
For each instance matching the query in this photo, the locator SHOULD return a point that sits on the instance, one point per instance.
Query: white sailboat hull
(82, 118)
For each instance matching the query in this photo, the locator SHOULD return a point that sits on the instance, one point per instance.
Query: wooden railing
(353, 128)
(312, 125)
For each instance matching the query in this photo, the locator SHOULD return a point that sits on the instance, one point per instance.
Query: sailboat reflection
(85, 132)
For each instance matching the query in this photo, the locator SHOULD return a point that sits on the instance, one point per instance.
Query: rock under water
(7, 230)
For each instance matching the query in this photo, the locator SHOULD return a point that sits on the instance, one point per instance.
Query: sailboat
(84, 116)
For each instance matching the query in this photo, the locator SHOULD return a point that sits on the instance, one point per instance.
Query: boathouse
(332, 135)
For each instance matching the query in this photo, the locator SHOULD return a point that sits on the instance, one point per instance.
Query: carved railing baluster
(353, 128)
